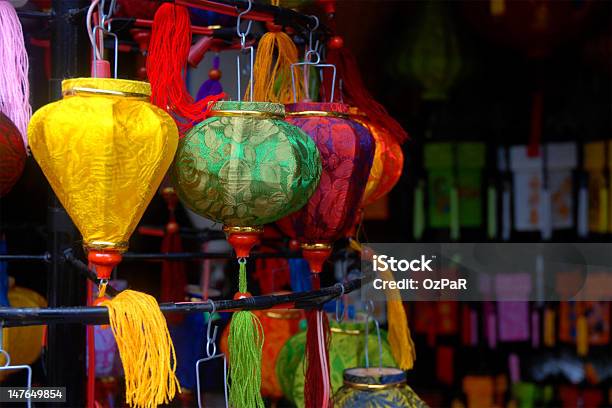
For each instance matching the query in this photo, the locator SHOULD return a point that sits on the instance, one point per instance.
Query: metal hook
(369, 308)
(95, 57)
(338, 302)
(312, 30)
(244, 34)
(210, 340)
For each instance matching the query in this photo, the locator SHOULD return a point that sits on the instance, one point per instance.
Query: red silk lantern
(12, 154)
(138, 8)
(346, 150)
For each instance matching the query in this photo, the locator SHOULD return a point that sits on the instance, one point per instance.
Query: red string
(356, 94)
(314, 387)
(91, 355)
(167, 67)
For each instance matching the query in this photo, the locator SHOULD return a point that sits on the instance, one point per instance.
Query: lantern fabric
(388, 160)
(12, 154)
(347, 150)
(347, 349)
(245, 166)
(104, 149)
(390, 389)
(279, 325)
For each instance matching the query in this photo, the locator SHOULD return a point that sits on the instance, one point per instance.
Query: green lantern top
(245, 166)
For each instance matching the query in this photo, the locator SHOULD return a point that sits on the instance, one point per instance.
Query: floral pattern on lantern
(347, 151)
(245, 166)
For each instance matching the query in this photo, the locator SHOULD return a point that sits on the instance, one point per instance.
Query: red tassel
(317, 387)
(356, 94)
(167, 67)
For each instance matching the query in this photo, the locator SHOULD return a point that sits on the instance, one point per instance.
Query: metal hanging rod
(171, 256)
(13, 317)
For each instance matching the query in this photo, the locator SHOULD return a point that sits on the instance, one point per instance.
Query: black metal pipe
(32, 14)
(46, 257)
(12, 317)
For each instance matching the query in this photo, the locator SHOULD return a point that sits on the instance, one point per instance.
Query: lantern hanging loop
(369, 309)
(317, 64)
(104, 22)
(104, 32)
(211, 346)
(244, 49)
(340, 300)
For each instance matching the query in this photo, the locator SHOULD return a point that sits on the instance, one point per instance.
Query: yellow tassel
(399, 337)
(145, 348)
(272, 70)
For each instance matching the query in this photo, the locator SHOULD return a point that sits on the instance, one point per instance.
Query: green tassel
(245, 343)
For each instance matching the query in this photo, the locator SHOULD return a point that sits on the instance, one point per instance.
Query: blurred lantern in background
(434, 56)
(23, 344)
(12, 155)
(347, 350)
(104, 149)
(279, 325)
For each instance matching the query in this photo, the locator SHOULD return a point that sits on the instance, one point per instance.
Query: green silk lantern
(245, 167)
(347, 350)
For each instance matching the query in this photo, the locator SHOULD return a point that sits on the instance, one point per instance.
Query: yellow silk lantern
(104, 149)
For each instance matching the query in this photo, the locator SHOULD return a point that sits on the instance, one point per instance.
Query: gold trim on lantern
(361, 386)
(311, 113)
(353, 332)
(242, 230)
(283, 315)
(317, 246)
(104, 245)
(242, 113)
(93, 91)
(107, 86)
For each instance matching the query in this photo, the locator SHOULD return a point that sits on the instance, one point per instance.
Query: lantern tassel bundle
(14, 86)
(145, 348)
(400, 338)
(167, 67)
(245, 343)
(272, 69)
(317, 384)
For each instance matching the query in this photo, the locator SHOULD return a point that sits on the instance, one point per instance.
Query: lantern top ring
(107, 86)
(242, 230)
(242, 113)
(313, 113)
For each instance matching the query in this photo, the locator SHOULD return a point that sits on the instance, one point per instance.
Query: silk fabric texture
(245, 166)
(12, 154)
(347, 150)
(104, 149)
(388, 161)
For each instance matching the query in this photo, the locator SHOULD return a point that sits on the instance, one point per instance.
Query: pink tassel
(14, 87)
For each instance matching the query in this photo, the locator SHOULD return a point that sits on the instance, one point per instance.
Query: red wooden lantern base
(104, 261)
(316, 255)
(243, 239)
